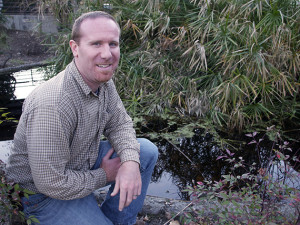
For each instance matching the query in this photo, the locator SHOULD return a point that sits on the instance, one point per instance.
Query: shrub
(10, 193)
(235, 62)
(248, 195)
(10, 203)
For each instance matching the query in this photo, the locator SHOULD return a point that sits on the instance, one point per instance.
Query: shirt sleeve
(49, 153)
(119, 128)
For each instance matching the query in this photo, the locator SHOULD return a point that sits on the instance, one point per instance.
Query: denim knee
(149, 152)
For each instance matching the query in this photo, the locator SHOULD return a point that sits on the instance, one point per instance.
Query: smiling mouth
(104, 65)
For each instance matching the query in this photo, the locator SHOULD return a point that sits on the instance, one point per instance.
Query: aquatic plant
(5, 117)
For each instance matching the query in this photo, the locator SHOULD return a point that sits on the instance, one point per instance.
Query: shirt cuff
(130, 155)
(101, 178)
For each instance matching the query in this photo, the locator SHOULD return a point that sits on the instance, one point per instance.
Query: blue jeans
(85, 211)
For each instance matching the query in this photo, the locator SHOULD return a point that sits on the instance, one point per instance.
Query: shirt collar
(75, 73)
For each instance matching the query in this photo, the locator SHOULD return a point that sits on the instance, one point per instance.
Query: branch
(178, 213)
(22, 67)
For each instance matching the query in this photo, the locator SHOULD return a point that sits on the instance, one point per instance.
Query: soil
(22, 47)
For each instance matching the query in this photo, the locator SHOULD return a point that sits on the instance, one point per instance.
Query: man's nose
(106, 52)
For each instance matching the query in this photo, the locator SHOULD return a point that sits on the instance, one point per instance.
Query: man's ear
(74, 47)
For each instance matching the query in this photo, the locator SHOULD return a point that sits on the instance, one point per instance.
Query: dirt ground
(22, 47)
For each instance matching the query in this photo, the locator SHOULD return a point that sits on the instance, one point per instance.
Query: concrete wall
(45, 24)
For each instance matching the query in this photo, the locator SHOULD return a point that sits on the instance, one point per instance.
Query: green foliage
(3, 34)
(61, 10)
(4, 116)
(247, 195)
(234, 62)
(9, 192)
(63, 53)
(165, 126)
(3, 38)
(11, 201)
(250, 40)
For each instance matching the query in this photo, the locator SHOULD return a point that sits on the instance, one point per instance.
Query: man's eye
(96, 44)
(113, 44)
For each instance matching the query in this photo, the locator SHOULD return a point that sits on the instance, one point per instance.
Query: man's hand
(110, 166)
(128, 182)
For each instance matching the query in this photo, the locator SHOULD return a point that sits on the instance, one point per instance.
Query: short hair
(76, 35)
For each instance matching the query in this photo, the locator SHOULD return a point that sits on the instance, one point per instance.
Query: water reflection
(14, 88)
(7, 88)
(19, 84)
(203, 151)
(26, 81)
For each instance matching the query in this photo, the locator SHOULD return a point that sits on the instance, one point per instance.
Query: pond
(19, 84)
(189, 161)
(199, 158)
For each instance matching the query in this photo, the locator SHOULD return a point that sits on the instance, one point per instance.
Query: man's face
(97, 54)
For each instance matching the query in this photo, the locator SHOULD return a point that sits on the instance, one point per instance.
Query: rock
(140, 222)
(156, 210)
(168, 215)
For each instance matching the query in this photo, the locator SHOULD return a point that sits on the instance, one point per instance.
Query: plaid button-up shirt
(58, 135)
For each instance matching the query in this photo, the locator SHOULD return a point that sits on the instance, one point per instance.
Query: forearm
(56, 170)
(53, 176)
(119, 130)
(70, 184)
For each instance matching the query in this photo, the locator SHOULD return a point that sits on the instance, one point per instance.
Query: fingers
(126, 198)
(140, 186)
(122, 199)
(110, 166)
(128, 183)
(135, 196)
(137, 191)
(116, 188)
(127, 195)
(108, 154)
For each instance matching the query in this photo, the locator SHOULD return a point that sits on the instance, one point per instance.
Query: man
(56, 151)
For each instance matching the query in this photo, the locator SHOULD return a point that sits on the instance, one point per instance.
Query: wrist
(131, 162)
